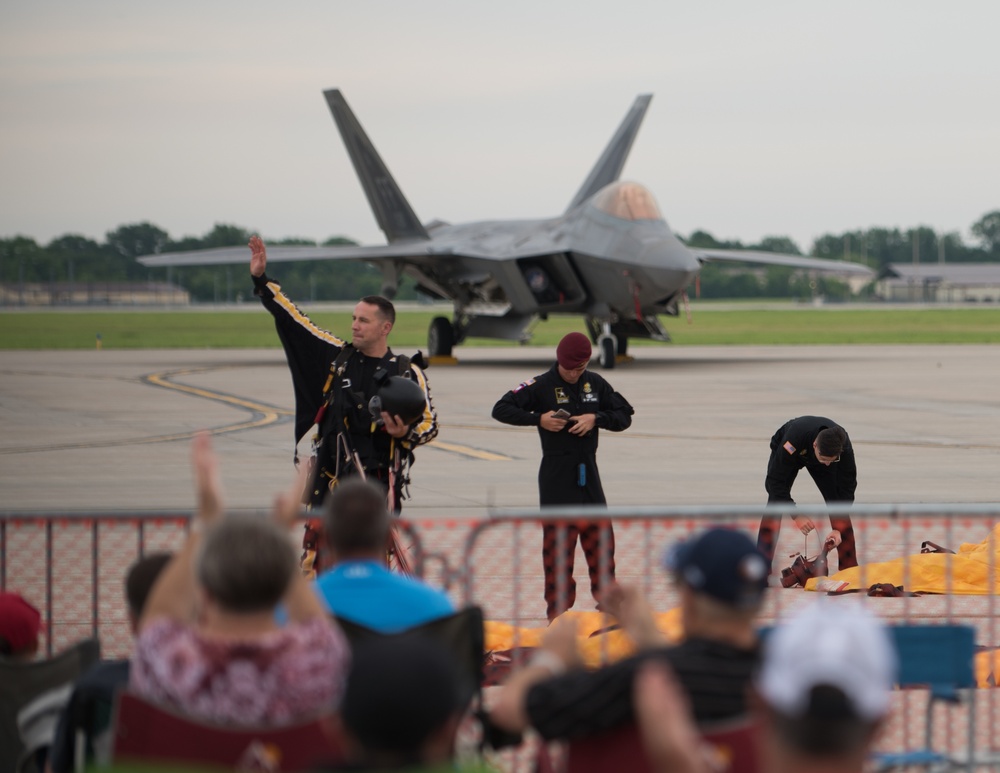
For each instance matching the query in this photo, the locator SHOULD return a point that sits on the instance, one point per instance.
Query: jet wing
(707, 255)
(278, 254)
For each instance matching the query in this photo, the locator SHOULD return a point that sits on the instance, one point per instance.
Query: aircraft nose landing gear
(607, 350)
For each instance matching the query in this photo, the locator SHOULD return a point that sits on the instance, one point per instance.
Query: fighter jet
(610, 257)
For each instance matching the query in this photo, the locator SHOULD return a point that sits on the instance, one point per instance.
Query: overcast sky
(768, 118)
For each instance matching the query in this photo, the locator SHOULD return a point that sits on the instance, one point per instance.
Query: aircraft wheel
(440, 337)
(622, 346)
(608, 346)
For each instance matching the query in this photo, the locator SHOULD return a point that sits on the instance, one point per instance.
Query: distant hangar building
(940, 282)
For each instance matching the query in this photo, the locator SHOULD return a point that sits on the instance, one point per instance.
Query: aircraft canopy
(627, 201)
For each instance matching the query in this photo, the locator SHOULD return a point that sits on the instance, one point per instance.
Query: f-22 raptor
(610, 257)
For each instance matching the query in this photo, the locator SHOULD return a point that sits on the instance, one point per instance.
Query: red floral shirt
(285, 675)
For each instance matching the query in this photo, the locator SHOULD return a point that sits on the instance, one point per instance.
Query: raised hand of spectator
(301, 602)
(561, 640)
(173, 595)
(632, 608)
(207, 479)
(287, 504)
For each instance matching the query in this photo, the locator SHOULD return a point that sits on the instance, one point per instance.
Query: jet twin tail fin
(392, 211)
(611, 162)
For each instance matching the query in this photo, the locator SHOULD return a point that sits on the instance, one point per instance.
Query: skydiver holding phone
(569, 404)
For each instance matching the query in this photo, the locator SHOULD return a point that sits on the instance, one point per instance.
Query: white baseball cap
(836, 643)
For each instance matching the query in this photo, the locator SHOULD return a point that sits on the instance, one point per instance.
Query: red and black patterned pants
(770, 527)
(558, 551)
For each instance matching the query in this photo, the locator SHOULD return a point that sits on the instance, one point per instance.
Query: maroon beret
(573, 350)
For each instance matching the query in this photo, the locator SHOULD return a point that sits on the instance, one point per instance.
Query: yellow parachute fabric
(987, 665)
(604, 647)
(966, 572)
(614, 645)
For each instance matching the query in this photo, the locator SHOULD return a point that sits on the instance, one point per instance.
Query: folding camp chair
(21, 683)
(733, 747)
(148, 734)
(940, 658)
(461, 634)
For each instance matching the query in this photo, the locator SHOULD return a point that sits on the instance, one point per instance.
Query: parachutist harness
(345, 406)
(342, 403)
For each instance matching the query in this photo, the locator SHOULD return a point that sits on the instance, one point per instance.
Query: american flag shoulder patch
(789, 447)
(522, 385)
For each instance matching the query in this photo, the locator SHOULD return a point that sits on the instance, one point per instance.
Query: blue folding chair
(940, 658)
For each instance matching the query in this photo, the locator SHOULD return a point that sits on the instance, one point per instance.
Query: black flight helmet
(399, 396)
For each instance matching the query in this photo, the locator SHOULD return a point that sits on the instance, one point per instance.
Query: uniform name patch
(789, 447)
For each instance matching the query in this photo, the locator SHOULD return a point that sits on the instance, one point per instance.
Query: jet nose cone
(668, 253)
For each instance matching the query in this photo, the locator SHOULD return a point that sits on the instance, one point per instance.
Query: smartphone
(562, 413)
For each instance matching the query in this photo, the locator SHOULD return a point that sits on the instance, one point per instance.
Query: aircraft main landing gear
(440, 337)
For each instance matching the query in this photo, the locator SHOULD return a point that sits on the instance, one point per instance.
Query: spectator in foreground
(359, 587)
(402, 706)
(92, 700)
(824, 689)
(663, 714)
(722, 578)
(20, 626)
(235, 664)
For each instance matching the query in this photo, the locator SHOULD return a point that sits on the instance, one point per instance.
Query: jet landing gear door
(552, 282)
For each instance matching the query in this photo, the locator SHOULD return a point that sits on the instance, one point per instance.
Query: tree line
(77, 259)
(81, 261)
(873, 247)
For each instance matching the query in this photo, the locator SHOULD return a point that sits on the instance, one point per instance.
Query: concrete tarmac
(110, 430)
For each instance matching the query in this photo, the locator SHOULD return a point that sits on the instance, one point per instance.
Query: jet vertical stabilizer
(392, 211)
(611, 162)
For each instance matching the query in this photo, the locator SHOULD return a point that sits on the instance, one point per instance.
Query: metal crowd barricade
(505, 551)
(72, 566)
(503, 573)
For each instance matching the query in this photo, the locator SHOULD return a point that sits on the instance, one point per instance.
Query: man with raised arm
(335, 381)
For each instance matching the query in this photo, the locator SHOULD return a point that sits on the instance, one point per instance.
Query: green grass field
(728, 324)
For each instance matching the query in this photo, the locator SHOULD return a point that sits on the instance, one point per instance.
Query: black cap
(722, 563)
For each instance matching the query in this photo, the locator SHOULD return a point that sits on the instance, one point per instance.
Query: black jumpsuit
(310, 352)
(568, 473)
(791, 450)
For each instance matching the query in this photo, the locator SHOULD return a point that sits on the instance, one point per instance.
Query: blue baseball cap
(722, 563)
